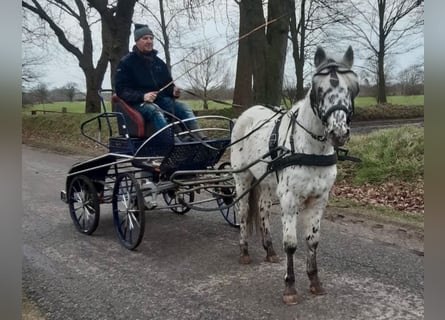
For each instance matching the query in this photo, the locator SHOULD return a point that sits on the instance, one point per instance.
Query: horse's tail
(253, 215)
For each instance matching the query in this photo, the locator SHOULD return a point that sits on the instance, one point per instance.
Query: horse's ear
(320, 56)
(348, 58)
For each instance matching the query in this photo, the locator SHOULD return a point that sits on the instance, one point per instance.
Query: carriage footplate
(63, 196)
(151, 165)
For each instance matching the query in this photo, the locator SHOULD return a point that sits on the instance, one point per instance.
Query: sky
(64, 68)
(61, 67)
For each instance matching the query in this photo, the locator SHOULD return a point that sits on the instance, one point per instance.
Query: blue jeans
(181, 110)
(152, 114)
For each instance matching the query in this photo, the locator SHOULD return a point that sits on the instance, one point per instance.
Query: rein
(211, 99)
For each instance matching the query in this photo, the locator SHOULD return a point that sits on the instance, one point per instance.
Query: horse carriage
(144, 170)
(284, 156)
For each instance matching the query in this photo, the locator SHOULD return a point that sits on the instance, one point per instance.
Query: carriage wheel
(173, 200)
(230, 214)
(128, 210)
(83, 204)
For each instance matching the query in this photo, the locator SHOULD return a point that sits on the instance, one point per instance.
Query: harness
(283, 157)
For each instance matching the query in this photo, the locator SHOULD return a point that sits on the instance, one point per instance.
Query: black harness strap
(302, 159)
(273, 140)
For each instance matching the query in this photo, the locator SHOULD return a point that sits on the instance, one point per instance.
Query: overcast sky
(61, 67)
(64, 68)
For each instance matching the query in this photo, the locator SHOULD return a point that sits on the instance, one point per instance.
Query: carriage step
(63, 196)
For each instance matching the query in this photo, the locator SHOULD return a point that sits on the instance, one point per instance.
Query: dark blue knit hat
(141, 30)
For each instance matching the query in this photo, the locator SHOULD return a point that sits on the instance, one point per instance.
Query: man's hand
(176, 92)
(150, 96)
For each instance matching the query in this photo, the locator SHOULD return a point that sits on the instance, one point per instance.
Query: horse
(297, 168)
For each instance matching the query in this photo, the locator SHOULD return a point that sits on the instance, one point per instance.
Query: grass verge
(377, 213)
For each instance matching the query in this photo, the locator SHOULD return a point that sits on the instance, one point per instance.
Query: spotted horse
(301, 162)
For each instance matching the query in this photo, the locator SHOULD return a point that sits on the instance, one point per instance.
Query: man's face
(145, 43)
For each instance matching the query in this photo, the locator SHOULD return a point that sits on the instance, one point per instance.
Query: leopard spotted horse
(302, 166)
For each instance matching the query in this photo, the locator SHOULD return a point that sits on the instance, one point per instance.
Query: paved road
(364, 127)
(186, 266)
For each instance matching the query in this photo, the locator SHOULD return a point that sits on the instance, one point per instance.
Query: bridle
(331, 68)
(282, 157)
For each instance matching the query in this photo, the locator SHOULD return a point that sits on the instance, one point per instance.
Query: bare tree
(205, 72)
(412, 79)
(168, 19)
(384, 28)
(309, 24)
(72, 22)
(164, 17)
(30, 75)
(41, 93)
(32, 57)
(70, 90)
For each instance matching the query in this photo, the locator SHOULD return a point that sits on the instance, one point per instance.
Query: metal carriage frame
(136, 173)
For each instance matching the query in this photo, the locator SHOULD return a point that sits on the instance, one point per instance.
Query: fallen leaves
(397, 195)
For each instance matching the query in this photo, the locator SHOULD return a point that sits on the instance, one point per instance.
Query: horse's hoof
(245, 260)
(317, 290)
(290, 299)
(273, 259)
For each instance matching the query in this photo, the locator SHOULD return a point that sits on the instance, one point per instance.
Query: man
(141, 75)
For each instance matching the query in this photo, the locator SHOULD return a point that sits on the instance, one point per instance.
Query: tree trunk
(381, 95)
(257, 51)
(242, 94)
(267, 52)
(94, 79)
(298, 36)
(277, 35)
(92, 99)
(116, 30)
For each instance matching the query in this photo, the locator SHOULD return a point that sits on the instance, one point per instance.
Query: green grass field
(79, 106)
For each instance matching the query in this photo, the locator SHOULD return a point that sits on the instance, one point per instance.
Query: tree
(70, 90)
(384, 28)
(412, 79)
(41, 93)
(205, 72)
(266, 50)
(29, 73)
(169, 18)
(31, 58)
(165, 15)
(309, 24)
(72, 25)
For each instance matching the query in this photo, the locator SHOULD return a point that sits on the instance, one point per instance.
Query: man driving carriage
(141, 75)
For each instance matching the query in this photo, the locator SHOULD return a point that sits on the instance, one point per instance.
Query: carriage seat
(136, 125)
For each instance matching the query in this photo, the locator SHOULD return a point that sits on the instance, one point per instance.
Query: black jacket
(139, 73)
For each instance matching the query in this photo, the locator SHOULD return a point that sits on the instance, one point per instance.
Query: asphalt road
(364, 127)
(187, 266)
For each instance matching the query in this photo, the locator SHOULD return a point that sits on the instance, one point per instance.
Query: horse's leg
(289, 221)
(265, 207)
(312, 219)
(243, 182)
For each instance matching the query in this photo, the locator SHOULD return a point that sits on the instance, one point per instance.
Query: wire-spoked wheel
(225, 201)
(175, 201)
(83, 204)
(128, 210)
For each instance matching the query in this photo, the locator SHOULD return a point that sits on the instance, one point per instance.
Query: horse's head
(334, 87)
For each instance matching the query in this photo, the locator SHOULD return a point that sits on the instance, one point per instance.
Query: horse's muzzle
(338, 130)
(339, 135)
